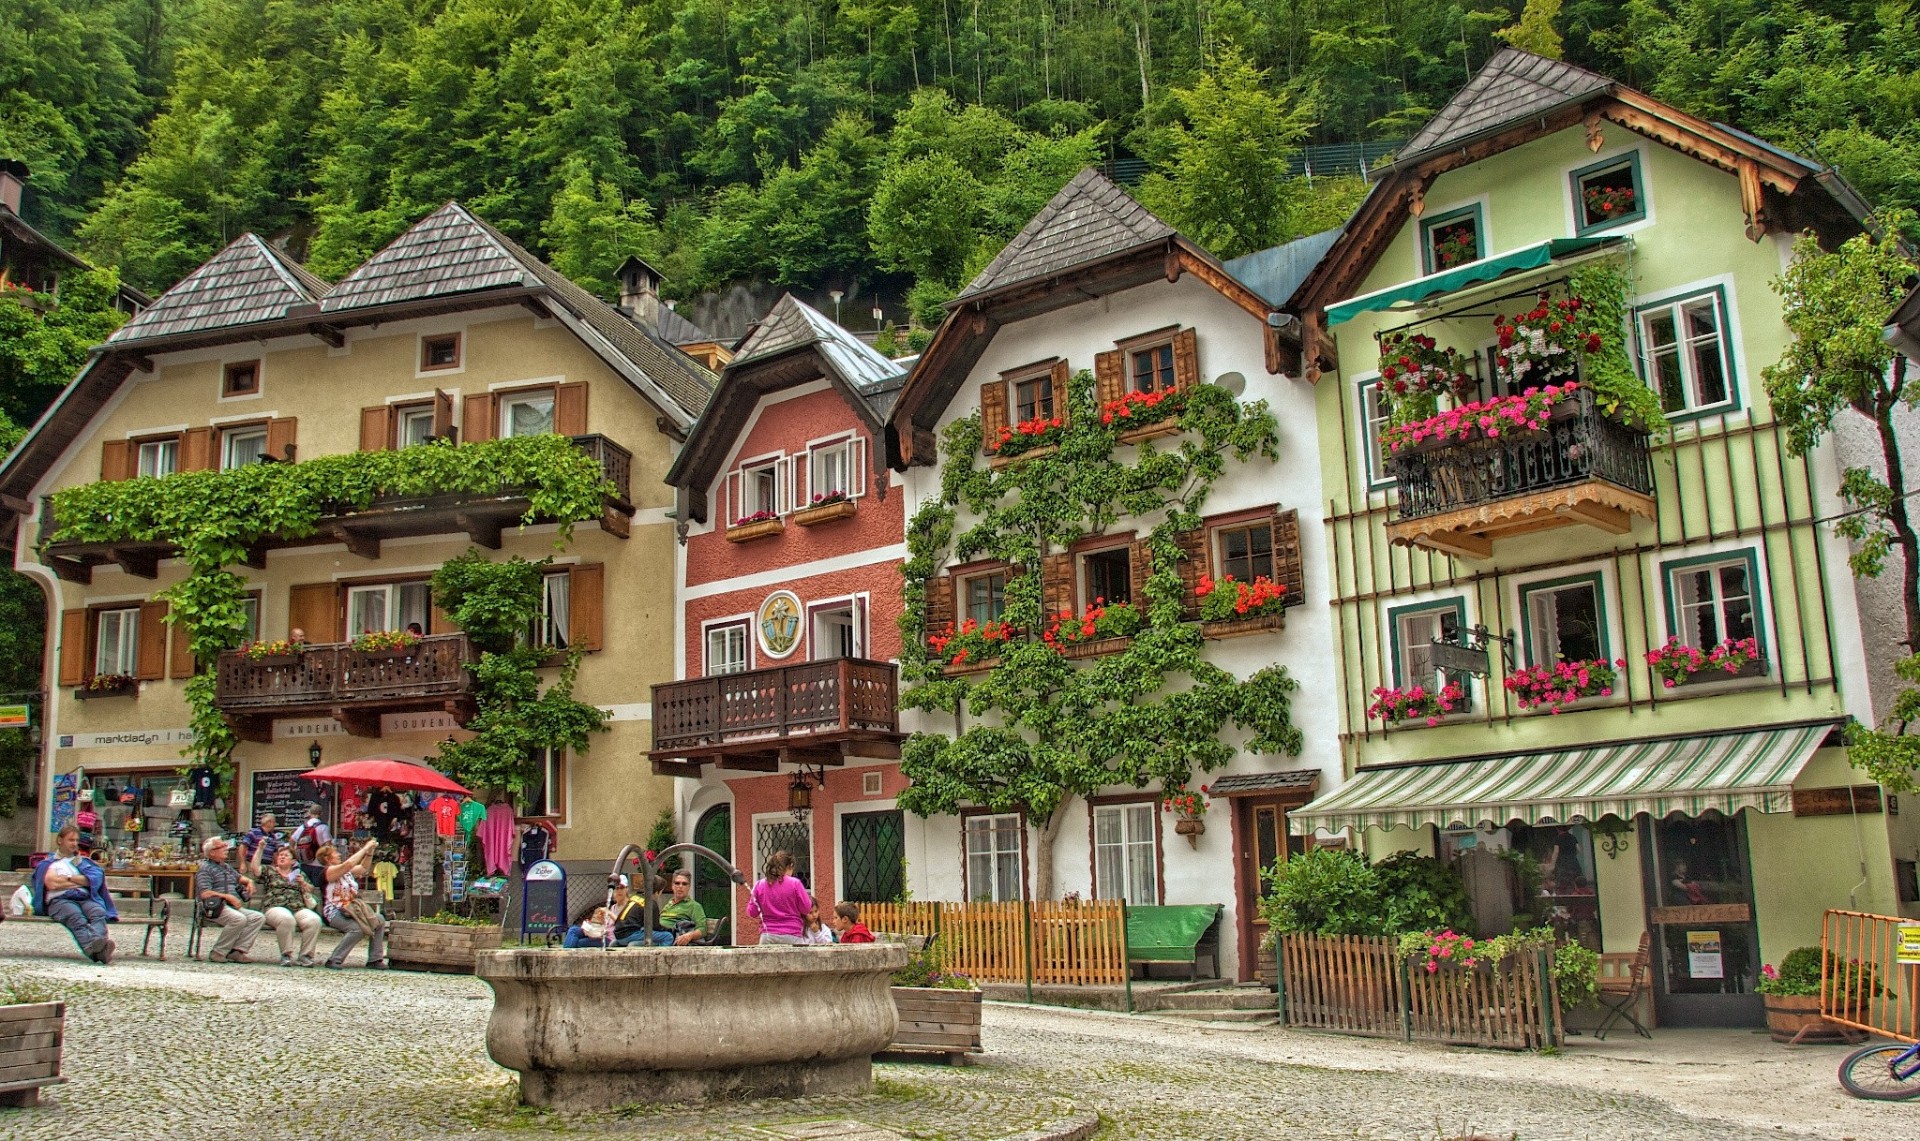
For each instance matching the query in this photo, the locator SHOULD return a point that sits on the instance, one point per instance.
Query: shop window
(552, 626)
(116, 642)
(726, 649)
(1126, 853)
(412, 424)
(1373, 421)
(829, 470)
(1559, 873)
(1686, 354)
(158, 457)
(1608, 194)
(242, 446)
(986, 596)
(242, 378)
(1414, 630)
(1452, 240)
(1106, 577)
(1150, 369)
(527, 413)
(1711, 600)
(388, 606)
(1033, 397)
(1246, 551)
(1565, 620)
(994, 846)
(440, 352)
(548, 796)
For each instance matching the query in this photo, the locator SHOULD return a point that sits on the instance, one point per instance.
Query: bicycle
(1887, 1072)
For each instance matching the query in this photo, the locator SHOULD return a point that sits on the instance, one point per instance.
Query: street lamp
(313, 754)
(836, 294)
(878, 315)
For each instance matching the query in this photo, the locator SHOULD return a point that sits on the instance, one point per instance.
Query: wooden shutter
(196, 450)
(477, 417)
(117, 460)
(940, 603)
(74, 650)
(1139, 569)
(442, 415)
(150, 656)
(1186, 359)
(586, 606)
(1193, 564)
(1060, 389)
(180, 660)
(1110, 376)
(570, 409)
(1289, 569)
(1056, 585)
(993, 413)
(376, 428)
(281, 437)
(315, 608)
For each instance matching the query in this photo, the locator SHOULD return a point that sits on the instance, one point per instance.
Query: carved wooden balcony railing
(807, 713)
(481, 517)
(1458, 496)
(335, 680)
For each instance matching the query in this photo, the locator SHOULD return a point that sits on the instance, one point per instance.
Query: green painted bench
(1175, 933)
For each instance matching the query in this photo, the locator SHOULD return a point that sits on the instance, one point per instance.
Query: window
(1107, 576)
(1451, 240)
(837, 633)
(250, 606)
(827, 471)
(1246, 551)
(548, 796)
(986, 597)
(1711, 600)
(1608, 194)
(159, 457)
(1414, 630)
(1685, 353)
(727, 649)
(1125, 853)
(388, 606)
(116, 642)
(783, 834)
(412, 424)
(242, 446)
(760, 489)
(440, 352)
(993, 858)
(527, 414)
(1033, 397)
(1565, 621)
(550, 626)
(241, 379)
(1373, 421)
(1151, 369)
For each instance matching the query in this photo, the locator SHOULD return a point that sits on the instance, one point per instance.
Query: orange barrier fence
(1072, 944)
(1866, 981)
(1360, 985)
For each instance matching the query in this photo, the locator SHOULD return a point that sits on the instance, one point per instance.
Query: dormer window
(242, 378)
(1608, 194)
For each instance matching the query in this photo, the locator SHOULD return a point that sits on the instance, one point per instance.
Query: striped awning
(1688, 775)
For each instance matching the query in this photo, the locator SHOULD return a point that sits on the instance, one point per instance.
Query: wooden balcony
(352, 686)
(1459, 496)
(482, 516)
(817, 713)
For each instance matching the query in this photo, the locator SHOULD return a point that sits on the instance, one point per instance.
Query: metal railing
(323, 676)
(836, 695)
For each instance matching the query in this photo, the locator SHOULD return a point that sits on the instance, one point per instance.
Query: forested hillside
(820, 141)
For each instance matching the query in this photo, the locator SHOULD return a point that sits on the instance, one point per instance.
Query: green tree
(593, 228)
(43, 344)
(1535, 32)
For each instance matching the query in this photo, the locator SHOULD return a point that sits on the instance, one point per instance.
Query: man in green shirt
(682, 920)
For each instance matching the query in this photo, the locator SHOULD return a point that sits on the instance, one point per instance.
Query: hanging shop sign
(1845, 800)
(13, 717)
(778, 623)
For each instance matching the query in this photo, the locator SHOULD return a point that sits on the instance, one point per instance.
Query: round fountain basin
(595, 1029)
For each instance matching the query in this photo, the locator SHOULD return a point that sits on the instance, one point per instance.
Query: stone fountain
(599, 1028)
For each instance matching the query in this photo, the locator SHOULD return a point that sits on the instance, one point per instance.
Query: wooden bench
(1174, 933)
(126, 892)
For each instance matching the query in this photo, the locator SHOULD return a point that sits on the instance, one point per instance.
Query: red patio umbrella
(391, 772)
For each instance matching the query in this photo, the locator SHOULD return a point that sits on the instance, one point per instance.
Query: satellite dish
(1233, 382)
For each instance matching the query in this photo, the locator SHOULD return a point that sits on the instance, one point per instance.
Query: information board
(283, 793)
(425, 850)
(543, 898)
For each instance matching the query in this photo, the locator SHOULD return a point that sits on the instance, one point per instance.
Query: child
(814, 932)
(847, 925)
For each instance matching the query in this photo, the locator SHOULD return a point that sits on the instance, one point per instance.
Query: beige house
(450, 331)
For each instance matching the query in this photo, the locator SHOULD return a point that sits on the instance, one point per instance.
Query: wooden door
(1260, 841)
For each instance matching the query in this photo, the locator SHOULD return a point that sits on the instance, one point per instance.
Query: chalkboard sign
(543, 899)
(283, 793)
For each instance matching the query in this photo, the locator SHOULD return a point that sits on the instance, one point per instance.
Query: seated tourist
(847, 926)
(682, 919)
(627, 919)
(289, 902)
(71, 890)
(223, 894)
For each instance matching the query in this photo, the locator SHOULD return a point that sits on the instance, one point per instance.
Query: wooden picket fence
(1360, 985)
(1863, 983)
(1063, 944)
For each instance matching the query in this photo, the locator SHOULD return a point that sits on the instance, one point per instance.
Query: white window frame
(1543, 629)
(1719, 295)
(1372, 418)
(854, 607)
(1395, 615)
(1129, 846)
(167, 447)
(391, 595)
(553, 628)
(230, 436)
(727, 629)
(850, 452)
(999, 825)
(407, 414)
(1752, 558)
(250, 603)
(125, 639)
(781, 466)
(549, 800)
(510, 400)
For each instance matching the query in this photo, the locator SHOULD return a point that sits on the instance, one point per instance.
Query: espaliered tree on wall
(1046, 728)
(215, 518)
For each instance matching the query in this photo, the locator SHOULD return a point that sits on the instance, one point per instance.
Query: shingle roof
(793, 324)
(243, 283)
(1089, 219)
(1264, 782)
(677, 330)
(1275, 273)
(448, 251)
(1512, 86)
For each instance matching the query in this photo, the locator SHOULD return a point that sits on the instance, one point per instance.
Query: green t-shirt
(471, 814)
(673, 913)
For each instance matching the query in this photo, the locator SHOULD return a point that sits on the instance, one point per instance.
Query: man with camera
(223, 893)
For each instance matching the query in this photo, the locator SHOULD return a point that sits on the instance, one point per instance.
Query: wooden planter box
(937, 1021)
(748, 532)
(30, 1038)
(438, 946)
(1242, 627)
(367, 657)
(119, 689)
(275, 660)
(1795, 1018)
(825, 513)
(1167, 427)
(1093, 648)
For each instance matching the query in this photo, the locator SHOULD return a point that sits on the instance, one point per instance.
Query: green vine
(1048, 729)
(1617, 388)
(214, 518)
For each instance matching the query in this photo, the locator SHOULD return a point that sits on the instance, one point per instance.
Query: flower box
(31, 1034)
(1092, 648)
(383, 654)
(999, 461)
(1242, 627)
(825, 513)
(936, 1019)
(106, 687)
(274, 660)
(1167, 427)
(748, 532)
(438, 946)
(1755, 668)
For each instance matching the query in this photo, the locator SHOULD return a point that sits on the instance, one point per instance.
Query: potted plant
(939, 1011)
(106, 685)
(1519, 415)
(440, 942)
(1229, 609)
(754, 525)
(1680, 664)
(1415, 702)
(32, 1027)
(277, 652)
(970, 646)
(1139, 415)
(1563, 683)
(384, 644)
(1095, 630)
(1028, 436)
(1191, 810)
(825, 507)
(1544, 343)
(1792, 994)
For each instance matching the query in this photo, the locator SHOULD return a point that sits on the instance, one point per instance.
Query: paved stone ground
(189, 1050)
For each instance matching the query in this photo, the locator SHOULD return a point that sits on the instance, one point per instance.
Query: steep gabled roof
(793, 324)
(1512, 86)
(1089, 219)
(449, 251)
(246, 282)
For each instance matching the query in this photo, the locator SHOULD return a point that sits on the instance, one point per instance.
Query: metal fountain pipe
(651, 868)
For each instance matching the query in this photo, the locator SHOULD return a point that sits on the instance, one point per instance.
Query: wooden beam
(482, 529)
(140, 361)
(138, 562)
(1753, 199)
(1458, 543)
(671, 768)
(1223, 283)
(358, 542)
(750, 762)
(328, 333)
(72, 570)
(254, 730)
(1173, 264)
(1609, 519)
(1778, 171)
(256, 556)
(812, 756)
(17, 504)
(358, 722)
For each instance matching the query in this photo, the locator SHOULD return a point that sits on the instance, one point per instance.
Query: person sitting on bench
(682, 919)
(628, 919)
(72, 891)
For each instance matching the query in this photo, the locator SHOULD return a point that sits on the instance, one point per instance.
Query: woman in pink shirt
(780, 902)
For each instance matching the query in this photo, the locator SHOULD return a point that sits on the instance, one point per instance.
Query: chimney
(13, 182)
(640, 292)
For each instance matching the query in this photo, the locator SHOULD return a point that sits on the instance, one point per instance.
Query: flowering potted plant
(1491, 418)
(1228, 600)
(824, 507)
(1608, 201)
(1415, 371)
(1678, 663)
(1542, 343)
(1029, 435)
(1139, 411)
(1563, 683)
(975, 641)
(277, 652)
(1792, 996)
(1433, 951)
(1096, 623)
(107, 685)
(1190, 808)
(1453, 246)
(384, 643)
(1394, 706)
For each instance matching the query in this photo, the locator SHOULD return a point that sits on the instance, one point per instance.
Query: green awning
(1723, 771)
(1486, 269)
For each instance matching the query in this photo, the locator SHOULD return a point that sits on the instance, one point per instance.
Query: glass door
(1706, 949)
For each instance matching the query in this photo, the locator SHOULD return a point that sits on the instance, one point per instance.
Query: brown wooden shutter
(196, 450)
(376, 428)
(117, 460)
(442, 414)
(1193, 564)
(940, 603)
(150, 657)
(477, 417)
(993, 413)
(74, 650)
(1289, 569)
(1056, 585)
(586, 606)
(1186, 359)
(1060, 386)
(180, 660)
(315, 608)
(1139, 569)
(1110, 376)
(570, 409)
(282, 436)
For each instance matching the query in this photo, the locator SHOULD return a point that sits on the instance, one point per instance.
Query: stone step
(1230, 998)
(1245, 1017)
